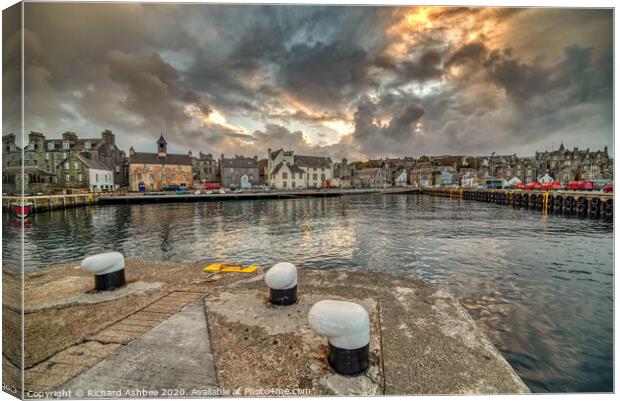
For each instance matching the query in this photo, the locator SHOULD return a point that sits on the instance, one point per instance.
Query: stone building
(240, 171)
(286, 169)
(204, 168)
(81, 171)
(47, 154)
(154, 171)
(370, 177)
(11, 153)
(35, 181)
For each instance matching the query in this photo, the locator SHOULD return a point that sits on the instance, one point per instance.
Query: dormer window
(87, 145)
(66, 145)
(50, 146)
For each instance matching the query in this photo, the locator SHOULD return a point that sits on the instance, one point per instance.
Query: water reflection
(539, 286)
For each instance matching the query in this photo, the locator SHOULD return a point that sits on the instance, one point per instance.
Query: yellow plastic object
(229, 267)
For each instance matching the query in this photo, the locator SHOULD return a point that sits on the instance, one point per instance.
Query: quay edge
(43, 203)
(583, 204)
(422, 340)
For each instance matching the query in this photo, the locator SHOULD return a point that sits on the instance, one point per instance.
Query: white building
(401, 179)
(100, 176)
(285, 170)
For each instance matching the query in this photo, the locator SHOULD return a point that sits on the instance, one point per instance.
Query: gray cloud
(277, 74)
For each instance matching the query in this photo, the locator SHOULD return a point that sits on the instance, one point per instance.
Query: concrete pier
(584, 204)
(49, 202)
(201, 333)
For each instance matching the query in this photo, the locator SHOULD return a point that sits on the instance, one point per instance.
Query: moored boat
(22, 208)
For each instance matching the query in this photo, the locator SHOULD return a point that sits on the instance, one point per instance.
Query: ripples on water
(539, 286)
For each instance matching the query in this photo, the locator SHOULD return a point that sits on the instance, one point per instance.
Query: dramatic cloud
(350, 82)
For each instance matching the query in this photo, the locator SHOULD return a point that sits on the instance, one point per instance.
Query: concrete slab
(260, 346)
(429, 344)
(174, 356)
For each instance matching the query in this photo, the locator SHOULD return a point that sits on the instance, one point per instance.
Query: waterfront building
(80, 171)
(371, 177)
(401, 178)
(262, 171)
(240, 171)
(47, 154)
(309, 171)
(154, 171)
(11, 153)
(343, 174)
(204, 168)
(35, 180)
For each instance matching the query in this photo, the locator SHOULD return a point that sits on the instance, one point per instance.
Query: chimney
(132, 151)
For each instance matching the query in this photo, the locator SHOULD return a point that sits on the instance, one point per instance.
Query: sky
(355, 82)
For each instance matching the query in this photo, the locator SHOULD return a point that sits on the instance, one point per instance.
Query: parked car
(608, 188)
(550, 186)
(533, 185)
(520, 185)
(212, 185)
(574, 186)
(171, 188)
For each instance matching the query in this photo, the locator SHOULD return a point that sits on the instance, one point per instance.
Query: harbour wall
(584, 204)
(50, 202)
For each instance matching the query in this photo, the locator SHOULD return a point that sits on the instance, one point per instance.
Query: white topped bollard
(108, 268)
(282, 282)
(347, 328)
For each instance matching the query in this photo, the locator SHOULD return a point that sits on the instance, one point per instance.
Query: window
(105, 177)
(87, 145)
(293, 185)
(139, 177)
(314, 176)
(66, 165)
(118, 169)
(66, 145)
(79, 177)
(174, 177)
(50, 146)
(146, 167)
(284, 175)
(322, 177)
(76, 165)
(67, 178)
(151, 177)
(64, 155)
(284, 184)
(12, 147)
(47, 156)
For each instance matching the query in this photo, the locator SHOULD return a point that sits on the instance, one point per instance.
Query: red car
(549, 186)
(533, 185)
(580, 186)
(608, 188)
(212, 185)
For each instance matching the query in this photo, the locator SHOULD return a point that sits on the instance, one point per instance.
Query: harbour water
(541, 287)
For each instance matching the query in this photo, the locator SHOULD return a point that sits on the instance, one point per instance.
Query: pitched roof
(93, 163)
(313, 161)
(240, 162)
(274, 154)
(293, 168)
(154, 158)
